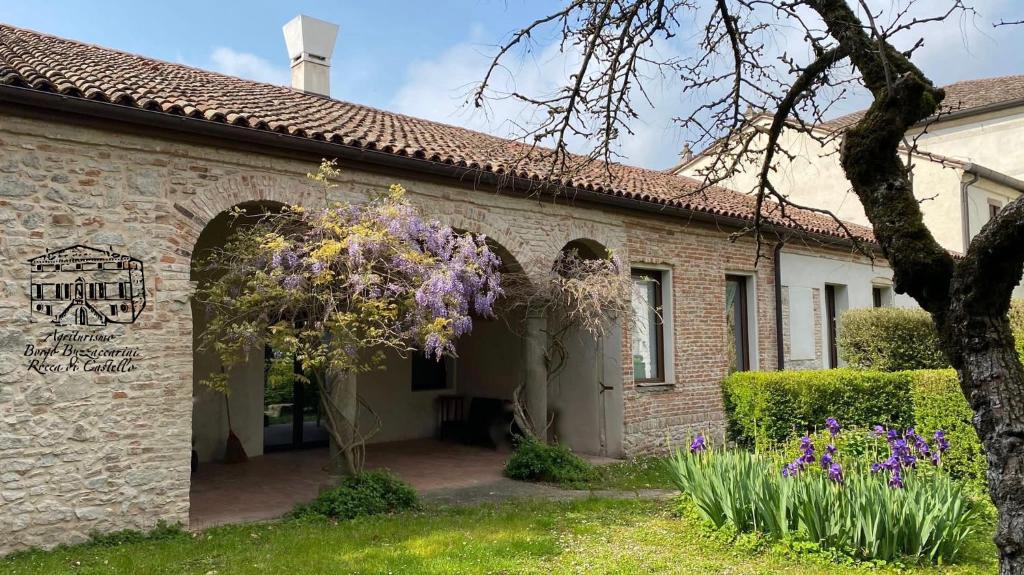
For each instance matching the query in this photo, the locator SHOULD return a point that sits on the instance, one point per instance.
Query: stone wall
(87, 450)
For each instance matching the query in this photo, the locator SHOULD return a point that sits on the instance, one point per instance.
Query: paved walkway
(270, 486)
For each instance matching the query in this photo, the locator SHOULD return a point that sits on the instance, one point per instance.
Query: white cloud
(438, 88)
(246, 65)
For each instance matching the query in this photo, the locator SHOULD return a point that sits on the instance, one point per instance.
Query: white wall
(802, 273)
(994, 140)
(209, 413)
(404, 413)
(814, 177)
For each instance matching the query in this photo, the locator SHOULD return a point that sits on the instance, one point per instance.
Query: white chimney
(310, 45)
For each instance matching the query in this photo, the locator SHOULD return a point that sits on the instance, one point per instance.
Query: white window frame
(667, 323)
(752, 324)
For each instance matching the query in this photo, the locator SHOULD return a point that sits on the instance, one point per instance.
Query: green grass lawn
(591, 536)
(633, 475)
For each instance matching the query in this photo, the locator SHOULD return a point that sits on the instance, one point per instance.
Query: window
(994, 206)
(737, 323)
(881, 296)
(835, 303)
(428, 373)
(648, 327)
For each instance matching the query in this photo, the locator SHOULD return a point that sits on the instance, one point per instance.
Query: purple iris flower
(698, 444)
(826, 461)
(876, 467)
(879, 431)
(941, 441)
(835, 473)
(832, 425)
(791, 470)
(896, 481)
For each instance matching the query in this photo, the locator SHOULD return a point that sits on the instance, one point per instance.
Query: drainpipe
(965, 208)
(780, 348)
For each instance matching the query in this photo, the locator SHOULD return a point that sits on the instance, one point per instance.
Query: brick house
(140, 157)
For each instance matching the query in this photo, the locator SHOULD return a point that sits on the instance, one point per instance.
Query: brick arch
(592, 233)
(588, 248)
(195, 213)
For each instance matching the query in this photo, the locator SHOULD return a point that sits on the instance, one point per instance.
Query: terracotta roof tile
(962, 96)
(47, 63)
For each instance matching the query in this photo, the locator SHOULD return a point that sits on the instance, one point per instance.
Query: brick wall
(660, 417)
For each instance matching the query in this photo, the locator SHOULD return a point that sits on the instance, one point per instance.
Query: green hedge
(940, 404)
(769, 408)
(890, 339)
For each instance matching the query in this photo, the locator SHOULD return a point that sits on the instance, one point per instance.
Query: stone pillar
(535, 341)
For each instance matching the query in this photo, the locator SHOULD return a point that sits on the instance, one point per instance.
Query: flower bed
(903, 505)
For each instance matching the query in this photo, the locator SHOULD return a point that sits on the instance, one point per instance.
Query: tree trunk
(341, 406)
(993, 382)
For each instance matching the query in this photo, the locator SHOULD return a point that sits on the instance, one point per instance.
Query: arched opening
(442, 424)
(465, 399)
(265, 418)
(585, 396)
(242, 410)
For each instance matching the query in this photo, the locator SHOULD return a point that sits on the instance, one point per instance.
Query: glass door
(291, 408)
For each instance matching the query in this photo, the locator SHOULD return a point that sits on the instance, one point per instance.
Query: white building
(968, 164)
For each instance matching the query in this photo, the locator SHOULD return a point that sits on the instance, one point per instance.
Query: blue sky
(421, 57)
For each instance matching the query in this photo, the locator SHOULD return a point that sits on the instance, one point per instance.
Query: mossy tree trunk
(968, 299)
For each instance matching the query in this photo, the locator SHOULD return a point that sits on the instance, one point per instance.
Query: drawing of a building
(79, 285)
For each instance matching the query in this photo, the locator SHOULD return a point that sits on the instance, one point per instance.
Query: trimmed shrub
(536, 461)
(940, 404)
(370, 493)
(890, 339)
(767, 408)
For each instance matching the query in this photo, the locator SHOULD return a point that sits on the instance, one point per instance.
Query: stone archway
(586, 394)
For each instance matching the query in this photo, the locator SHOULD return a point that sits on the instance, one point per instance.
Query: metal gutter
(265, 140)
(994, 176)
(966, 113)
(780, 347)
(965, 209)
